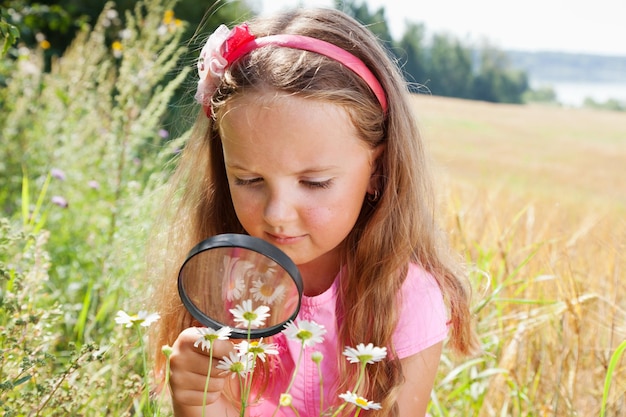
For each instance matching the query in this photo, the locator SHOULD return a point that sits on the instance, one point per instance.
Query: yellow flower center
(266, 290)
(361, 402)
(304, 335)
(168, 17)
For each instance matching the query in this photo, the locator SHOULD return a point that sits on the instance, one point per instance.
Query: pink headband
(226, 46)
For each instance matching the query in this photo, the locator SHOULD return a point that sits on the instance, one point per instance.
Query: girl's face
(298, 175)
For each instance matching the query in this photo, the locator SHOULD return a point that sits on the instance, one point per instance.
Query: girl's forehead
(288, 130)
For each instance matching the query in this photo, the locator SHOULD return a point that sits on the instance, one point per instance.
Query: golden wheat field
(535, 196)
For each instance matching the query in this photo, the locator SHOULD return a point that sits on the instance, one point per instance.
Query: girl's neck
(319, 274)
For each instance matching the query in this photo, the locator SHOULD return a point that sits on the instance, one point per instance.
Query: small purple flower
(60, 201)
(93, 184)
(164, 133)
(58, 174)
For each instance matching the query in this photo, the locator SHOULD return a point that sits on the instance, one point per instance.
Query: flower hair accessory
(226, 46)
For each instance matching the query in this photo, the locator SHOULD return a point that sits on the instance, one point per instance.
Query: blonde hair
(398, 229)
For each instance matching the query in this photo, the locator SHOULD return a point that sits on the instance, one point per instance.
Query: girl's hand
(188, 373)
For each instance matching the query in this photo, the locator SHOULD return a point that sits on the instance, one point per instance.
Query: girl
(309, 143)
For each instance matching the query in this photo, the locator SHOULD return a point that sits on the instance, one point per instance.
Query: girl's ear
(374, 184)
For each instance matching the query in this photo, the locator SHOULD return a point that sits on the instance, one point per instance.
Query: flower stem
(319, 371)
(361, 375)
(293, 377)
(145, 400)
(356, 387)
(245, 394)
(208, 378)
(166, 383)
(295, 410)
(295, 370)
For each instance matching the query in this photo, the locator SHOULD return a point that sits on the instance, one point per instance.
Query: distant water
(574, 93)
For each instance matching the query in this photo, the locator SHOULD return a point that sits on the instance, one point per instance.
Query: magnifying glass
(227, 279)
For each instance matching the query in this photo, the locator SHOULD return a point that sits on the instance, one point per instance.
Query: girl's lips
(283, 240)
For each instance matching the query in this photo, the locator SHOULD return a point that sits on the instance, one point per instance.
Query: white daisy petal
(359, 401)
(307, 332)
(247, 317)
(365, 354)
(208, 336)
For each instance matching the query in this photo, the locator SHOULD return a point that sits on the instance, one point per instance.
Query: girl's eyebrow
(313, 170)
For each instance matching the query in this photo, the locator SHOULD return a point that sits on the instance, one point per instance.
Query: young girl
(306, 139)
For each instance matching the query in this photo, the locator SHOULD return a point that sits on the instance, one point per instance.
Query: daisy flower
(235, 364)
(247, 317)
(266, 292)
(256, 348)
(359, 401)
(285, 400)
(208, 336)
(307, 332)
(142, 318)
(365, 354)
(236, 270)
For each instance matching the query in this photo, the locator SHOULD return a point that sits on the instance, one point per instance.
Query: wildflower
(94, 185)
(236, 270)
(167, 350)
(112, 14)
(58, 174)
(359, 401)
(365, 354)
(164, 133)
(142, 318)
(308, 332)
(317, 357)
(168, 17)
(246, 317)
(256, 349)
(285, 399)
(125, 33)
(208, 336)
(162, 30)
(117, 48)
(60, 201)
(42, 41)
(267, 293)
(237, 365)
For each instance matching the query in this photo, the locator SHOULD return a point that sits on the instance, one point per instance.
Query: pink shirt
(422, 323)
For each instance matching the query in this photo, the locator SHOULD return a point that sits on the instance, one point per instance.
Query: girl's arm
(419, 371)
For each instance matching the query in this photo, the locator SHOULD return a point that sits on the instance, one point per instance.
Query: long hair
(398, 229)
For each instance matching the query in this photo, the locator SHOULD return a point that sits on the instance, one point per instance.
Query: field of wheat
(535, 197)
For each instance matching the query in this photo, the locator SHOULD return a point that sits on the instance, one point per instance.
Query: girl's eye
(247, 181)
(318, 184)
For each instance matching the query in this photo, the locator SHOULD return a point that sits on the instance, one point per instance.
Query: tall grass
(82, 159)
(83, 155)
(548, 282)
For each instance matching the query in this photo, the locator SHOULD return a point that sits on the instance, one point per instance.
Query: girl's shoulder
(423, 316)
(420, 280)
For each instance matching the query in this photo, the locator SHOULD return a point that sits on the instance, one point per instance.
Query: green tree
(413, 56)
(375, 21)
(496, 81)
(449, 67)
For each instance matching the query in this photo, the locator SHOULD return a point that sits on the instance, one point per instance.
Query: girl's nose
(278, 209)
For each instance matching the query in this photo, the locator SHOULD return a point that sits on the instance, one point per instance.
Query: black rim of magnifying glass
(232, 240)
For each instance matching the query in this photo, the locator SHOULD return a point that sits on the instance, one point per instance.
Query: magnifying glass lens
(241, 282)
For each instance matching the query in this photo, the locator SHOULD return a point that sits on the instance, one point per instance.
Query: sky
(575, 26)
